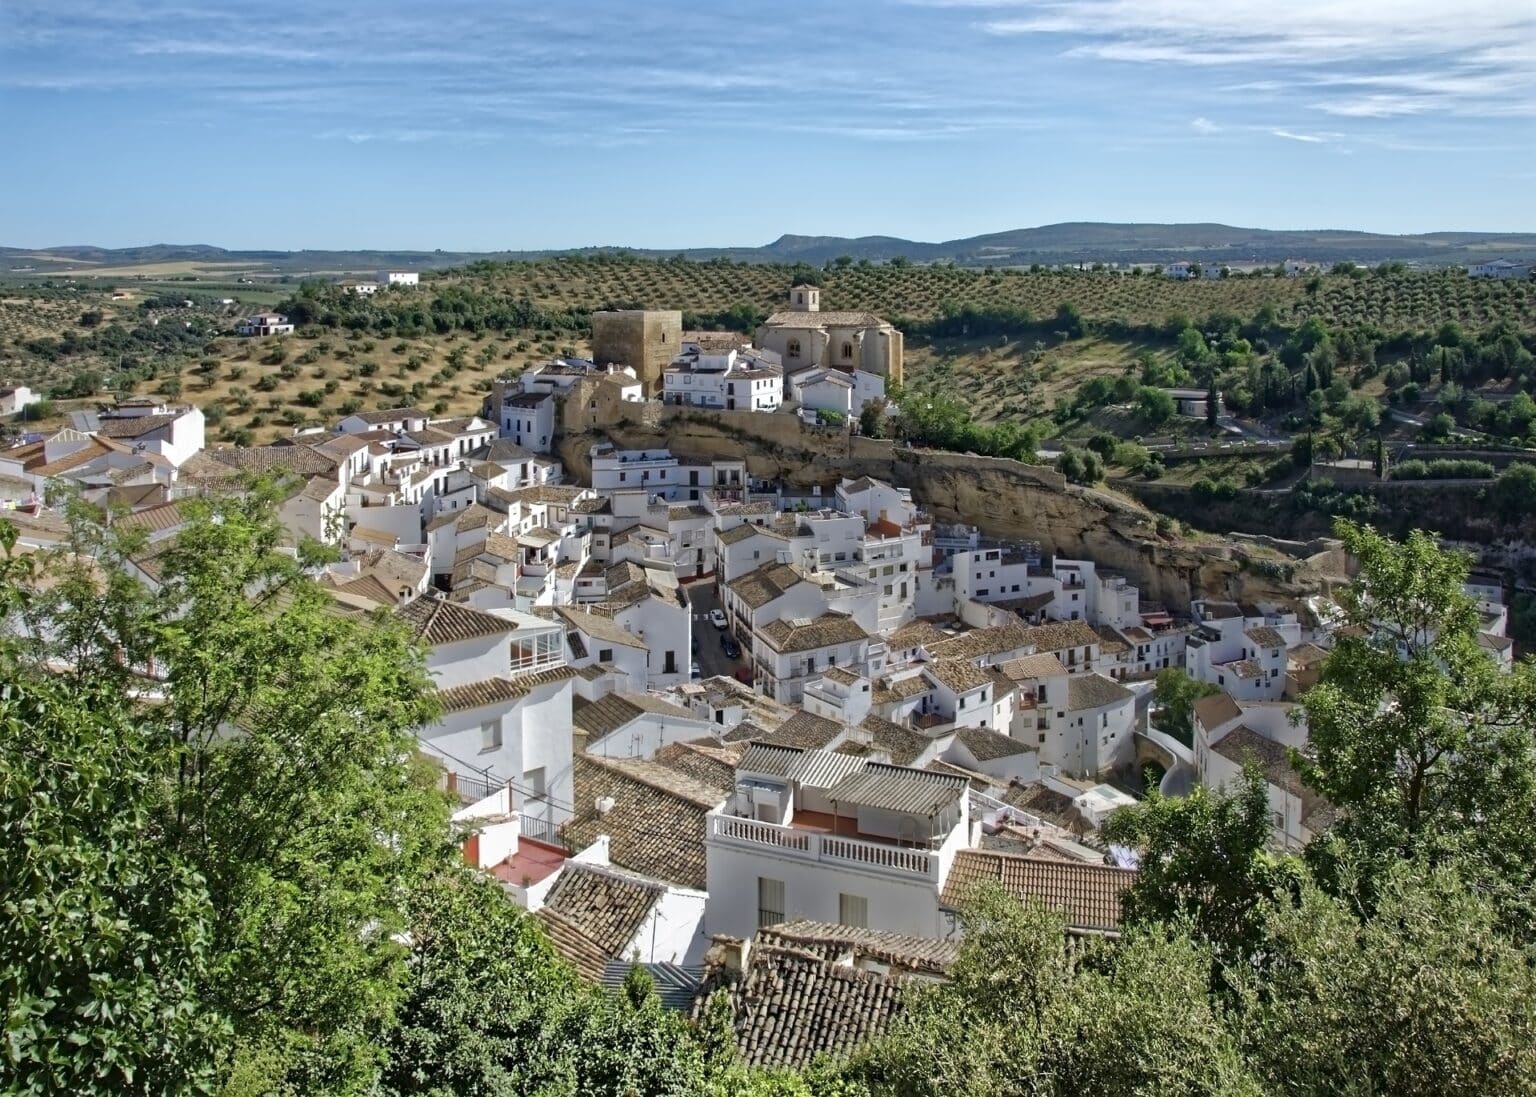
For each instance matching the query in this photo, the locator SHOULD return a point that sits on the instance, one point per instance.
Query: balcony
(834, 851)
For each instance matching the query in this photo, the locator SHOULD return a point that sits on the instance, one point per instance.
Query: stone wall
(1003, 498)
(647, 339)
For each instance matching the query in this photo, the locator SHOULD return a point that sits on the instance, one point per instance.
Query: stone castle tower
(647, 339)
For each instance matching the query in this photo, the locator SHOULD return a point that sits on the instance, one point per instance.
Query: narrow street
(706, 638)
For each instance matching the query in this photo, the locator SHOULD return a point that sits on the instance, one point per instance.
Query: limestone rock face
(1002, 498)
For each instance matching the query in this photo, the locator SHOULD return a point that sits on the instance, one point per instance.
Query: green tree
(1415, 736)
(1206, 863)
(1514, 491)
(105, 932)
(1176, 693)
(1424, 999)
(1154, 406)
(1026, 1013)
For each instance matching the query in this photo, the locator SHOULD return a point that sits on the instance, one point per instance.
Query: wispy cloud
(1305, 138)
(1204, 125)
(1481, 54)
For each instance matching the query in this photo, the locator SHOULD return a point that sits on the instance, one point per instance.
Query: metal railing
(826, 848)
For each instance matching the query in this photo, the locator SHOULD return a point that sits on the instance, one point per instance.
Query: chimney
(734, 952)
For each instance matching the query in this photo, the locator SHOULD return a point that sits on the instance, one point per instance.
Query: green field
(992, 339)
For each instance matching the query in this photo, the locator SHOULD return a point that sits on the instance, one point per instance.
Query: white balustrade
(854, 852)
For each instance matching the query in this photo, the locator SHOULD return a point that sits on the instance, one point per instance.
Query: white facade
(391, 278)
(1259, 733)
(791, 842)
(730, 380)
(529, 420)
(264, 323)
(1499, 268)
(12, 400)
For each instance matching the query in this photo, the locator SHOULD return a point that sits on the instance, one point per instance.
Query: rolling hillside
(1068, 243)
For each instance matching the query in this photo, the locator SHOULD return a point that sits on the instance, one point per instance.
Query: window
(848, 351)
(853, 910)
(1279, 821)
(605, 655)
(792, 348)
(490, 736)
(770, 902)
(533, 784)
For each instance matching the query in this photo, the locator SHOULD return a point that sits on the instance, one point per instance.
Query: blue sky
(518, 124)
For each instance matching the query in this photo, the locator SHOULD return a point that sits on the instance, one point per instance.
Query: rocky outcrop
(1003, 498)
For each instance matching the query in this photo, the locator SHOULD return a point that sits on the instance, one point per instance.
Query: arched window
(847, 351)
(792, 348)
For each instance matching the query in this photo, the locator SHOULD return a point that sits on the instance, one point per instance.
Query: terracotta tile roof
(708, 763)
(607, 905)
(373, 536)
(657, 822)
(1244, 668)
(842, 676)
(960, 675)
(301, 460)
(901, 744)
(438, 621)
(392, 566)
(988, 744)
(389, 415)
(784, 635)
(370, 588)
(600, 627)
(1088, 896)
(1265, 637)
(574, 946)
(814, 320)
(1110, 642)
(737, 534)
(920, 954)
(1060, 635)
(891, 690)
(1088, 691)
(1306, 655)
(759, 587)
(993, 640)
(157, 518)
(1215, 710)
(795, 1003)
(87, 453)
(472, 695)
(1242, 745)
(136, 426)
(606, 715)
(805, 730)
(1219, 611)
(1043, 801)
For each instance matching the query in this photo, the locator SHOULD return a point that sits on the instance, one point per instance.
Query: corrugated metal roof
(824, 768)
(896, 788)
(675, 985)
(769, 760)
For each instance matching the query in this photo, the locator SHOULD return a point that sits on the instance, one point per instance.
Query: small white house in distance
(13, 399)
(1296, 267)
(391, 278)
(1178, 270)
(836, 390)
(1191, 403)
(835, 838)
(264, 323)
(362, 289)
(1499, 268)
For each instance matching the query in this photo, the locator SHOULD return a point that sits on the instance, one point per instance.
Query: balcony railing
(835, 851)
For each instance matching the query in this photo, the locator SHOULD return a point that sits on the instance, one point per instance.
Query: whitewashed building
(835, 838)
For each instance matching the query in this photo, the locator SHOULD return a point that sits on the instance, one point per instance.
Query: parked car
(729, 645)
(695, 672)
(717, 617)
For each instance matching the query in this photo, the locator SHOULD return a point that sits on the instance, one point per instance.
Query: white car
(717, 617)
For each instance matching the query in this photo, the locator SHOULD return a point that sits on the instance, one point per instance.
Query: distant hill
(1067, 243)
